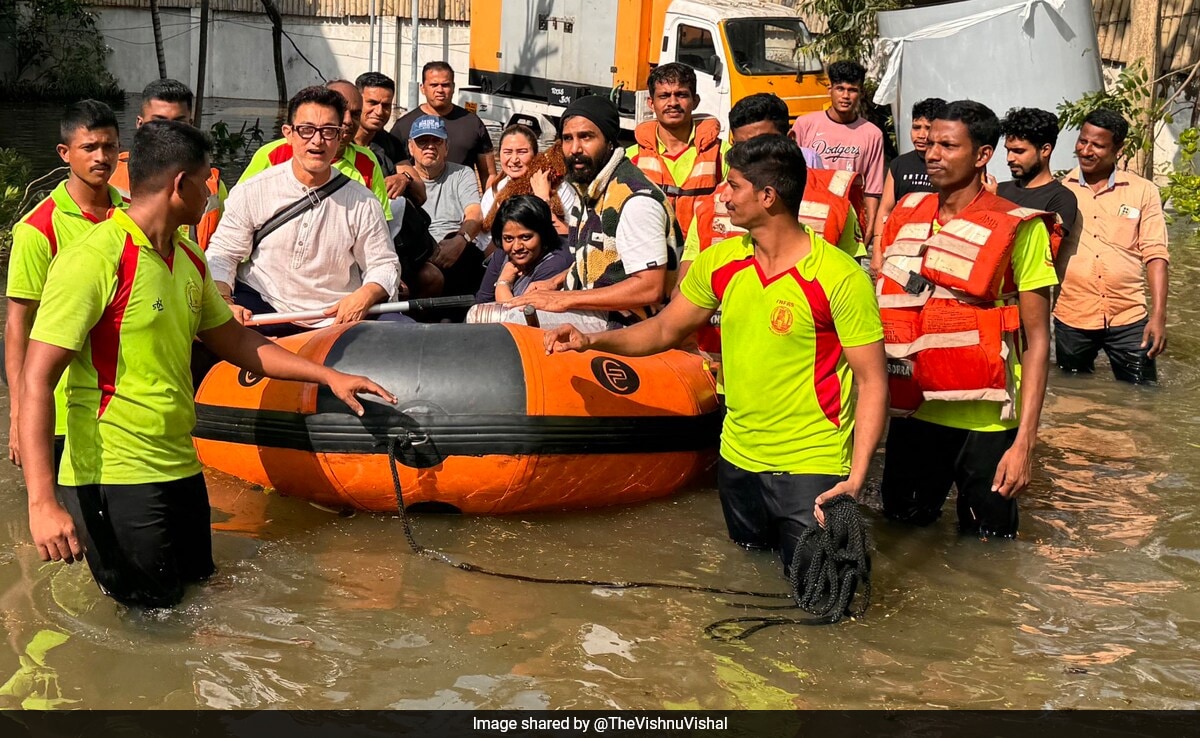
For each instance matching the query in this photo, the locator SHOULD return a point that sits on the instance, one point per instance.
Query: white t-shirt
(566, 194)
(641, 234)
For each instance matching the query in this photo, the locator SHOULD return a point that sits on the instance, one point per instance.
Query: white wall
(240, 61)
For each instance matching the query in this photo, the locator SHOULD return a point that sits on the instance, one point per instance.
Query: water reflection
(1094, 606)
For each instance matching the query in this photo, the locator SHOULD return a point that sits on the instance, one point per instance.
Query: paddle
(424, 303)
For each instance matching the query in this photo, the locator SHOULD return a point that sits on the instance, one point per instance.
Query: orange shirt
(1119, 230)
(217, 194)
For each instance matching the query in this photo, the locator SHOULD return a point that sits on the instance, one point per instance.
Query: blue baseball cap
(428, 125)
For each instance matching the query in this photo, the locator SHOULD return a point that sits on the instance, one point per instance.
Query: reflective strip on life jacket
(701, 181)
(212, 211)
(937, 294)
(826, 205)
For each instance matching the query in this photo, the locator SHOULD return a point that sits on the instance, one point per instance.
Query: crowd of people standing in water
(846, 291)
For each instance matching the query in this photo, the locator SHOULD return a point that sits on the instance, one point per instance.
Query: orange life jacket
(828, 196)
(212, 209)
(825, 208)
(707, 172)
(945, 336)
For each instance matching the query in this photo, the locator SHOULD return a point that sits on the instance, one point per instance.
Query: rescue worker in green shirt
(89, 144)
(120, 310)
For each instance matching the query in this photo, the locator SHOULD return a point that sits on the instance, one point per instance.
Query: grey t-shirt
(447, 198)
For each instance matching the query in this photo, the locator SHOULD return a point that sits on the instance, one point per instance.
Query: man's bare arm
(680, 319)
(1154, 338)
(17, 325)
(1013, 472)
(247, 349)
(870, 210)
(635, 291)
(869, 368)
(50, 525)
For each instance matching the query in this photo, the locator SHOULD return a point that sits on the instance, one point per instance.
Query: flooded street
(1095, 606)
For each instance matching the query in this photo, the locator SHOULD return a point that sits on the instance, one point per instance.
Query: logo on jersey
(194, 300)
(829, 151)
(782, 318)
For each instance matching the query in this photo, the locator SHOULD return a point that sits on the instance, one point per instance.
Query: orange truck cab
(530, 60)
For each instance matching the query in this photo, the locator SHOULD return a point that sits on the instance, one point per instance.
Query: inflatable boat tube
(489, 423)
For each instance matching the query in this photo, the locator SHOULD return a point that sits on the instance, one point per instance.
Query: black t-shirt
(908, 175)
(468, 137)
(1053, 197)
(388, 151)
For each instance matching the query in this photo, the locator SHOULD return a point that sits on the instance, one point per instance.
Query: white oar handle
(380, 309)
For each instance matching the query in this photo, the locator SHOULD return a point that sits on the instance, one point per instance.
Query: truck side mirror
(718, 68)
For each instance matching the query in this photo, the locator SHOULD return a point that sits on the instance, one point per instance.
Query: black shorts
(144, 542)
(923, 460)
(769, 510)
(1075, 350)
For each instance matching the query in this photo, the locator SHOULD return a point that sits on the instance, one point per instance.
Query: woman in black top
(530, 249)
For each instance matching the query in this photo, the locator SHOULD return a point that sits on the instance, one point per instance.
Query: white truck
(530, 58)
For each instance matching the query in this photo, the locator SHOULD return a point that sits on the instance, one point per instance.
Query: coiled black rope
(832, 563)
(820, 594)
(830, 567)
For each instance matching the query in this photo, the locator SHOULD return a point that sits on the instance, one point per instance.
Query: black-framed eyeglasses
(328, 133)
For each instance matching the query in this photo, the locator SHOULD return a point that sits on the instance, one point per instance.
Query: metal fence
(1180, 21)
(444, 10)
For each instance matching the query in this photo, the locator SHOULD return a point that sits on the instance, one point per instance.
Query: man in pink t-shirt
(845, 140)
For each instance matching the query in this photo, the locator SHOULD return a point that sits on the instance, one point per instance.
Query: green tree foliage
(60, 53)
(14, 174)
(18, 193)
(1183, 185)
(852, 30)
(230, 147)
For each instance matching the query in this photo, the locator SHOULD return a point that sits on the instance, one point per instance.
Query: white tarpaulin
(892, 49)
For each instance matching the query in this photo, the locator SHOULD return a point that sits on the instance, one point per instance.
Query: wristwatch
(504, 282)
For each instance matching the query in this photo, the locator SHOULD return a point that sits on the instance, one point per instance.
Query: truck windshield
(771, 46)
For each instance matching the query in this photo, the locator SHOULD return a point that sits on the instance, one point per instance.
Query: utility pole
(272, 11)
(201, 64)
(156, 23)
(1145, 30)
(413, 84)
(8, 40)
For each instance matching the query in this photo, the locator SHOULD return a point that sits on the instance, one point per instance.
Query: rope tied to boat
(837, 563)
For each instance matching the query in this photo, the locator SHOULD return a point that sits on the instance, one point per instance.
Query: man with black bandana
(626, 244)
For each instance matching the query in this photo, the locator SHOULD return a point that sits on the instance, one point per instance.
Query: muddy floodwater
(1094, 606)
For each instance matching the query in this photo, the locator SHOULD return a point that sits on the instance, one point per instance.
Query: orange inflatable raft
(487, 422)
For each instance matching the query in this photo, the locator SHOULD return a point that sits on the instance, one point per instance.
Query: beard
(1026, 175)
(585, 175)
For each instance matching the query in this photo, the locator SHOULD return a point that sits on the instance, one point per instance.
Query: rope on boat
(837, 556)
